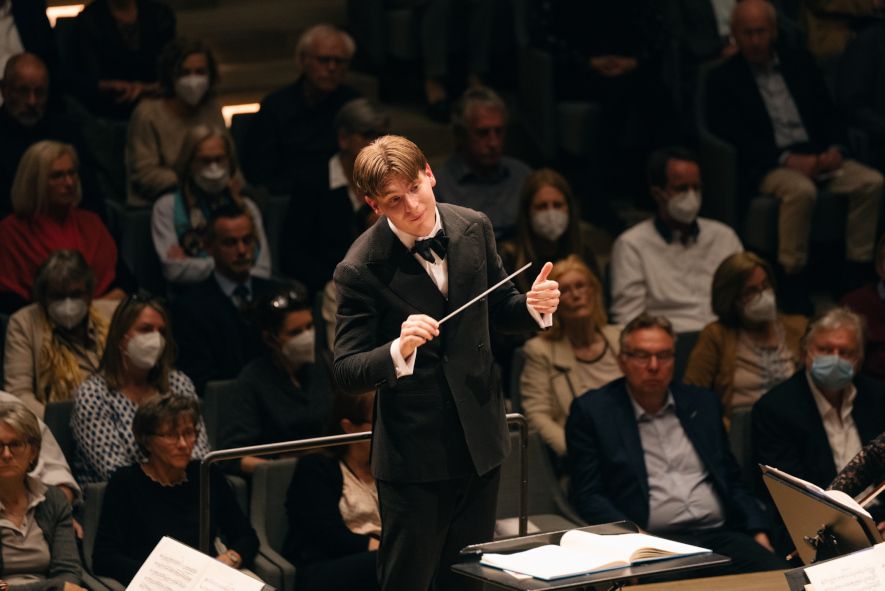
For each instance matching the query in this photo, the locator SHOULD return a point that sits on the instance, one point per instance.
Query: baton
(486, 292)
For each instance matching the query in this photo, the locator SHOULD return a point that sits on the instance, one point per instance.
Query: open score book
(581, 552)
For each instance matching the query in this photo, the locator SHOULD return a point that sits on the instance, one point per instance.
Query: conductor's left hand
(543, 297)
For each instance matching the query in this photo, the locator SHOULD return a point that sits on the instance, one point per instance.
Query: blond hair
(388, 157)
(28, 193)
(574, 264)
(59, 364)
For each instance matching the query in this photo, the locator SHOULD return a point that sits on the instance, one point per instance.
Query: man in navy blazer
(645, 450)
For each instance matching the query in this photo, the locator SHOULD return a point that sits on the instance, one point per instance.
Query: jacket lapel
(623, 416)
(462, 258)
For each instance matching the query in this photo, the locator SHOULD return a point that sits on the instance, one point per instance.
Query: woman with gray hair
(206, 167)
(39, 551)
(55, 343)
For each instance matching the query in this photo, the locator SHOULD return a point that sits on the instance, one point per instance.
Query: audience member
(28, 117)
(26, 27)
(478, 175)
(653, 452)
(578, 354)
(831, 24)
(46, 194)
(214, 335)
(136, 365)
(752, 347)
(188, 75)
(325, 214)
(774, 106)
(118, 45)
(206, 169)
(815, 422)
(293, 135)
(665, 265)
(160, 496)
(866, 469)
(548, 227)
(332, 503)
(286, 393)
(55, 343)
(869, 302)
(41, 552)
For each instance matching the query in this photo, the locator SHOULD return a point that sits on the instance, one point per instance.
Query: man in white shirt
(665, 265)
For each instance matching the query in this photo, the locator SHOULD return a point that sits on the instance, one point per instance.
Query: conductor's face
(409, 204)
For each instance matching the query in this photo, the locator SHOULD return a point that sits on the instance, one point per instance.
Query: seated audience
(45, 200)
(865, 469)
(39, 547)
(831, 24)
(57, 342)
(752, 347)
(286, 393)
(188, 77)
(815, 422)
(27, 117)
(334, 516)
(26, 28)
(869, 303)
(774, 106)
(478, 175)
(136, 365)
(665, 265)
(548, 228)
(214, 334)
(118, 45)
(654, 452)
(293, 134)
(160, 496)
(578, 354)
(325, 214)
(206, 167)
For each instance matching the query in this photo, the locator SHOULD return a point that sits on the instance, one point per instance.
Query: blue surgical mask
(831, 372)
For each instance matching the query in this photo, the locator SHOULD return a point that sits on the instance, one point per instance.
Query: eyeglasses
(15, 446)
(641, 357)
(748, 293)
(189, 435)
(328, 60)
(59, 175)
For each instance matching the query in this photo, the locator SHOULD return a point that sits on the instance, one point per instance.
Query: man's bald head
(754, 27)
(25, 88)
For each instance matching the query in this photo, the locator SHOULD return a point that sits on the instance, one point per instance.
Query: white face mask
(192, 88)
(213, 178)
(143, 350)
(684, 207)
(68, 312)
(550, 224)
(762, 308)
(300, 349)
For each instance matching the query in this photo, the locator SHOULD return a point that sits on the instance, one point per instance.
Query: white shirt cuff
(543, 320)
(403, 367)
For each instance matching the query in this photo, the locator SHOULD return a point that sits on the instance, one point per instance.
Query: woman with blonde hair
(577, 354)
(206, 167)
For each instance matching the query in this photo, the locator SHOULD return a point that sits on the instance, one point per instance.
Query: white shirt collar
(407, 239)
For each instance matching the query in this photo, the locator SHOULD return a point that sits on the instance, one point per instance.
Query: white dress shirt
(838, 424)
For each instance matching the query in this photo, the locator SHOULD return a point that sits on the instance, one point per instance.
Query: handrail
(336, 440)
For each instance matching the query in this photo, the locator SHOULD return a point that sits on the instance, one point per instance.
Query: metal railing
(335, 440)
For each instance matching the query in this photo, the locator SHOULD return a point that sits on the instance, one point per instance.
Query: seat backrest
(239, 130)
(217, 396)
(93, 496)
(274, 215)
(685, 342)
(270, 483)
(516, 366)
(58, 418)
(133, 232)
(542, 485)
(740, 437)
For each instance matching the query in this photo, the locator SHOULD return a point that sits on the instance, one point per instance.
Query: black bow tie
(437, 244)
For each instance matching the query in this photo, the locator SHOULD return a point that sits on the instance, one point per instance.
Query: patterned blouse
(102, 427)
(866, 468)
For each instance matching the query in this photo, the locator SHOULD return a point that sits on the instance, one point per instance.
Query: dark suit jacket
(446, 420)
(36, 33)
(736, 112)
(609, 480)
(788, 432)
(214, 339)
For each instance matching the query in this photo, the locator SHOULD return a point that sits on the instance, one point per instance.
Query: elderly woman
(578, 354)
(165, 491)
(45, 198)
(334, 518)
(752, 347)
(39, 550)
(286, 393)
(55, 343)
(188, 76)
(205, 166)
(136, 365)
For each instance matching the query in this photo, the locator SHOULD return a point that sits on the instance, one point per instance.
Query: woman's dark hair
(357, 408)
(271, 311)
(657, 163)
(60, 269)
(728, 282)
(157, 410)
(174, 54)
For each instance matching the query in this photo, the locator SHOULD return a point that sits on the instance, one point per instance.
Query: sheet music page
(863, 570)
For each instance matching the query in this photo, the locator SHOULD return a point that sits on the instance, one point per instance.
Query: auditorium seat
(93, 497)
(58, 418)
(270, 483)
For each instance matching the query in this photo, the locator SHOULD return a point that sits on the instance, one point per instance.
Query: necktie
(426, 247)
(241, 295)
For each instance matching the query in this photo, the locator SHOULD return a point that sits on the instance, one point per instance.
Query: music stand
(820, 527)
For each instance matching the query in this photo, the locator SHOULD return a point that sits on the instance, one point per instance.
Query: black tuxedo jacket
(609, 479)
(214, 339)
(446, 420)
(788, 432)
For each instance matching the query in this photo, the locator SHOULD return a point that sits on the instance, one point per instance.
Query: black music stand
(615, 578)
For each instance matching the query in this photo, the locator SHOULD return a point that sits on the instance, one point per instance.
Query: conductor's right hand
(415, 331)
